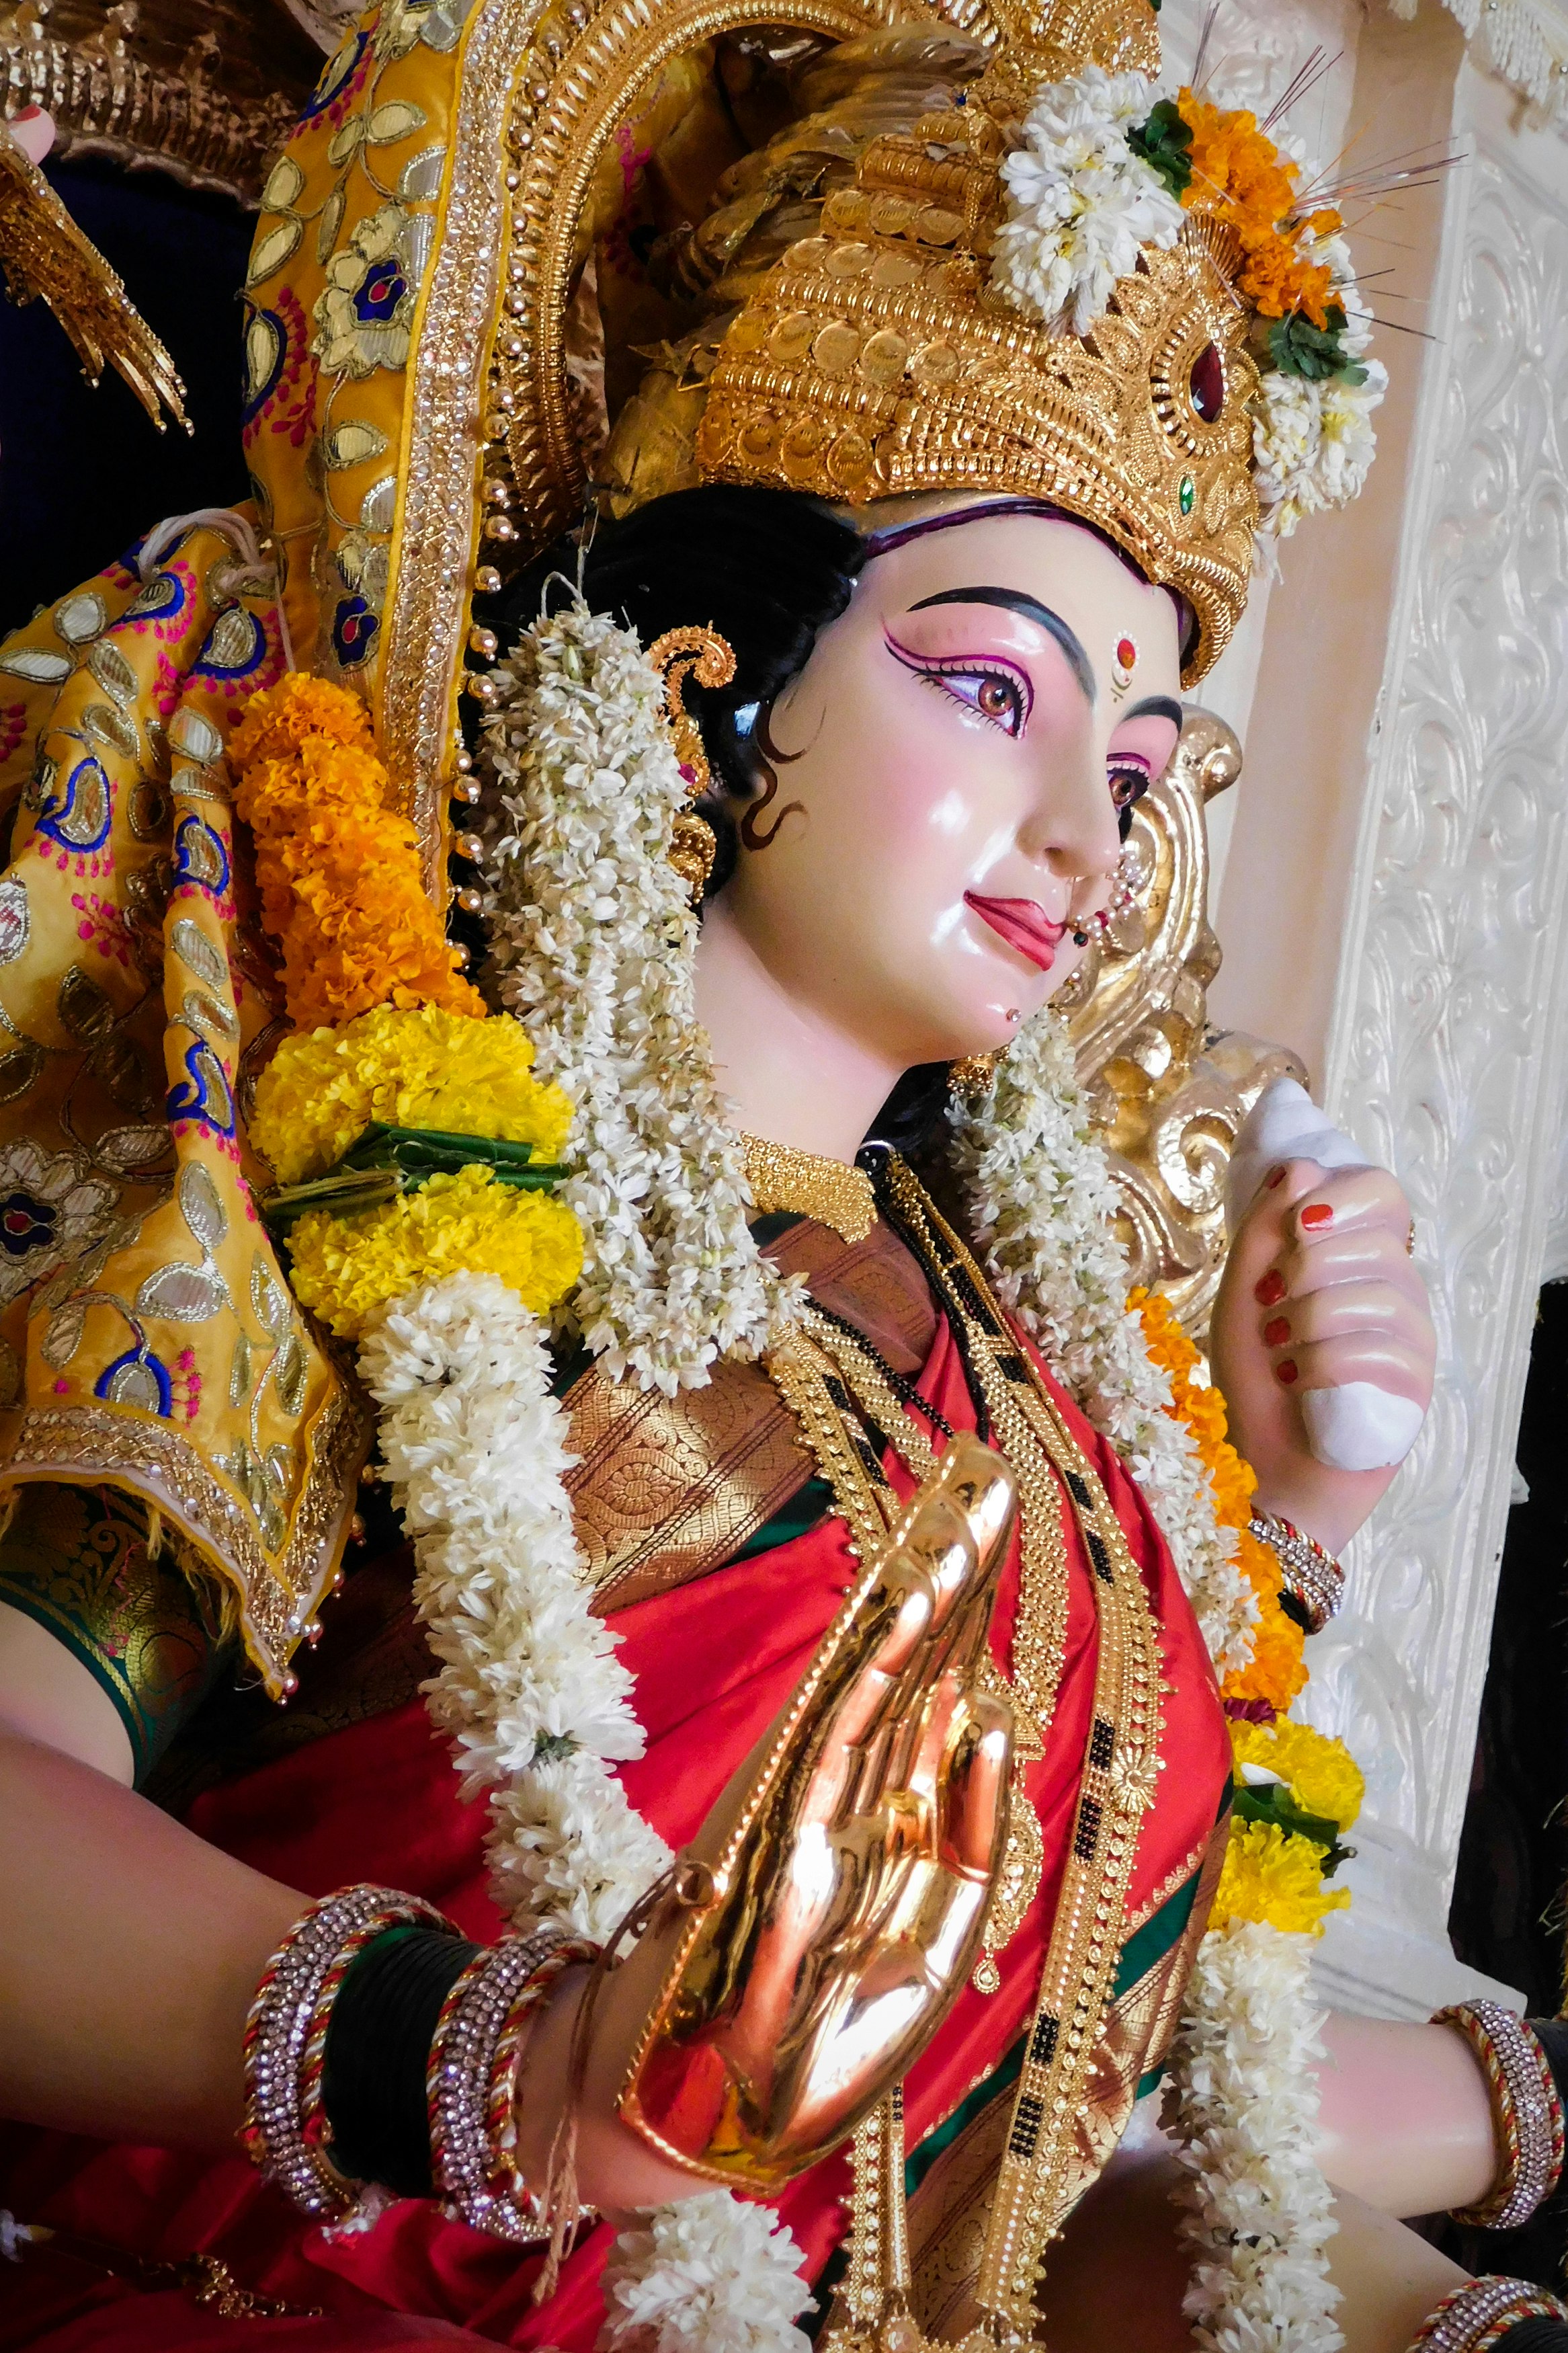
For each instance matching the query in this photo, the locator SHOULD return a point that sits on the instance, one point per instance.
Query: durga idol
(549, 1225)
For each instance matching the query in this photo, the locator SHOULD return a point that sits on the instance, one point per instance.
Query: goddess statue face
(951, 765)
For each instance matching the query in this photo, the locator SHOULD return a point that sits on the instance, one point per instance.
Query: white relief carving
(1446, 1055)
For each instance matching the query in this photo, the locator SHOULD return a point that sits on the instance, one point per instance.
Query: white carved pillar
(1445, 1045)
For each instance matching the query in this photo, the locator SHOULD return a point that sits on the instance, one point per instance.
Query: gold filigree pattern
(784, 1178)
(875, 362)
(203, 90)
(1168, 1093)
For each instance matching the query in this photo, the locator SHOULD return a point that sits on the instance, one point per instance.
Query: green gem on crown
(1187, 494)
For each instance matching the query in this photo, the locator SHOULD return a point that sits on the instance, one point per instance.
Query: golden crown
(876, 360)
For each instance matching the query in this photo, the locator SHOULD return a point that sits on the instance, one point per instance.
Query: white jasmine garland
(1081, 203)
(1041, 1201)
(713, 2275)
(537, 1706)
(593, 939)
(1258, 2214)
(530, 1690)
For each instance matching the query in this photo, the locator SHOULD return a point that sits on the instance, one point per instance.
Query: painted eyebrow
(1155, 706)
(1013, 600)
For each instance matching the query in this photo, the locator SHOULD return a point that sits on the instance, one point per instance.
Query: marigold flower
(417, 1066)
(1271, 1875)
(346, 1268)
(339, 871)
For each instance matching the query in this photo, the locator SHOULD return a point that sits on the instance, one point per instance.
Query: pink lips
(1022, 924)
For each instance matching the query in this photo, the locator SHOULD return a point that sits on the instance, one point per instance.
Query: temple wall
(1392, 894)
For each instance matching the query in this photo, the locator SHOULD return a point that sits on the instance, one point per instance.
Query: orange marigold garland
(1278, 1669)
(338, 869)
(1233, 159)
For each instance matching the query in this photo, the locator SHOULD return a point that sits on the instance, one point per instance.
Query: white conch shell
(1357, 1427)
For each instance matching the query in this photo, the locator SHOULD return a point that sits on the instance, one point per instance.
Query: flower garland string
(1258, 2214)
(1040, 1204)
(593, 939)
(338, 868)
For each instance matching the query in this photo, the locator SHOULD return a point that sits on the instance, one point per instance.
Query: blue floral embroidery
(205, 1094)
(200, 857)
(354, 628)
(78, 819)
(137, 1377)
(383, 288)
(240, 631)
(25, 1223)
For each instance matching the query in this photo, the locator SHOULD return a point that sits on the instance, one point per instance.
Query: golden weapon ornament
(43, 253)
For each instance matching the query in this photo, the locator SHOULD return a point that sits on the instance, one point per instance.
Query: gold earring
(681, 655)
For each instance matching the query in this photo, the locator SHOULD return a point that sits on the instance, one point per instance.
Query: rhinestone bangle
(1527, 2113)
(472, 2081)
(285, 2131)
(1312, 1577)
(1478, 2315)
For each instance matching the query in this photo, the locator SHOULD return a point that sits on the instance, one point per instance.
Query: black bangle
(1535, 2337)
(377, 2049)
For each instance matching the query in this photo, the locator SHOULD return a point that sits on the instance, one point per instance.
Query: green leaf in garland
(1164, 142)
(1299, 348)
(1270, 1802)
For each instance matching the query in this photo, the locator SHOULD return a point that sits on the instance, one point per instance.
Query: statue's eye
(999, 695)
(1129, 778)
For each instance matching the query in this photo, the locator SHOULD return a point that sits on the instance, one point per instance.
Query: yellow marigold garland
(345, 1269)
(1322, 1776)
(1269, 1875)
(338, 869)
(420, 1067)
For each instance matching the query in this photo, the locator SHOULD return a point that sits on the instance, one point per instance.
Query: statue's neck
(794, 1076)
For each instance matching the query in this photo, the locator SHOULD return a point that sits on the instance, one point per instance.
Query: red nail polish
(1275, 1177)
(1317, 1213)
(1276, 1333)
(1286, 1371)
(1271, 1290)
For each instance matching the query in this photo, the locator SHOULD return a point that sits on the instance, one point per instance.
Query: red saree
(714, 1661)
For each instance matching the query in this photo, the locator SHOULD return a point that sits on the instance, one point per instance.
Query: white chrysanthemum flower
(1347, 441)
(711, 2275)
(1041, 1202)
(1312, 444)
(1081, 203)
(592, 937)
(1286, 433)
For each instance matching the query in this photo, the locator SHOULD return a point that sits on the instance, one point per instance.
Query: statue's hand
(1319, 1290)
(831, 1908)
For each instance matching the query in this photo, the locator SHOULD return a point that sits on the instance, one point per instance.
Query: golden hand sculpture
(829, 1911)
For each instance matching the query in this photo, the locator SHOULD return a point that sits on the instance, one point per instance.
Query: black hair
(769, 570)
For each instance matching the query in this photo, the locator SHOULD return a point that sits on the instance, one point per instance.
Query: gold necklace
(831, 1191)
(872, 2308)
